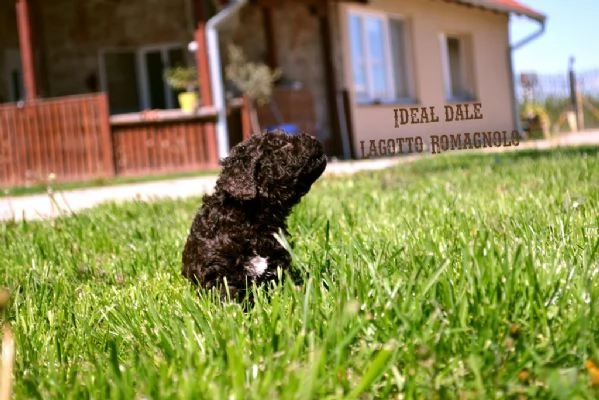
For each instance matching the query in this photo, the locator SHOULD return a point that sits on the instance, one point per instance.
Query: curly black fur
(232, 235)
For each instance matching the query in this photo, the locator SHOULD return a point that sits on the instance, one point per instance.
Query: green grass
(42, 187)
(445, 278)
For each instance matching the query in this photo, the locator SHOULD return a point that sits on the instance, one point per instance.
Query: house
(352, 69)
(373, 67)
(82, 93)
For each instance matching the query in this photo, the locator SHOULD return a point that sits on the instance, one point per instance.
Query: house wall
(72, 33)
(297, 39)
(428, 20)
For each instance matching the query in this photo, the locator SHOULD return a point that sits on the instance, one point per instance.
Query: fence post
(26, 50)
(579, 110)
(106, 131)
(575, 96)
(246, 125)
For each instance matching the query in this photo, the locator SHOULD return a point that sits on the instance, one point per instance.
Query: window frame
(466, 68)
(391, 95)
(103, 73)
(142, 71)
(143, 88)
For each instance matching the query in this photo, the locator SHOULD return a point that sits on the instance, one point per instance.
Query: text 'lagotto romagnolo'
(435, 143)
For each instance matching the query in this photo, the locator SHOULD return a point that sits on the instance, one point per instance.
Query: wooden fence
(75, 139)
(164, 142)
(68, 137)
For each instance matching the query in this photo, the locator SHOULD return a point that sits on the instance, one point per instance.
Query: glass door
(153, 63)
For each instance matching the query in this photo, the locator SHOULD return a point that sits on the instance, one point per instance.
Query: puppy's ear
(238, 178)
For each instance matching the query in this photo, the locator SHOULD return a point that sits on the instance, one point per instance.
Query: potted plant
(254, 80)
(537, 117)
(184, 79)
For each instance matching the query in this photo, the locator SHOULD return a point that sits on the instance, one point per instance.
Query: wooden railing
(74, 139)
(164, 142)
(67, 137)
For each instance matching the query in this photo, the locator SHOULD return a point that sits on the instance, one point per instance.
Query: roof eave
(523, 11)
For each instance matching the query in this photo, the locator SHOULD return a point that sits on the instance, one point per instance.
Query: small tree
(537, 112)
(254, 80)
(182, 78)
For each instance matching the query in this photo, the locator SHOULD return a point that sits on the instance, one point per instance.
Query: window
(152, 63)
(378, 53)
(120, 81)
(134, 78)
(457, 67)
(14, 75)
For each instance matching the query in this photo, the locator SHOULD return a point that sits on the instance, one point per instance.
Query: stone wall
(76, 31)
(298, 48)
(73, 32)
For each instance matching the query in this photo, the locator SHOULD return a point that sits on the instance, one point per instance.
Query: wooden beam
(246, 125)
(202, 57)
(38, 43)
(328, 55)
(280, 3)
(269, 32)
(26, 49)
(203, 64)
(203, 69)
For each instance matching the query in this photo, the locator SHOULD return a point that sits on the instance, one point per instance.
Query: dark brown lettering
(448, 113)
(419, 144)
(382, 147)
(414, 115)
(497, 138)
(476, 137)
(400, 145)
(455, 141)
(424, 116)
(434, 144)
(391, 147)
(403, 116)
(505, 142)
(444, 142)
(467, 141)
(516, 137)
(434, 117)
(372, 148)
(459, 113)
(409, 140)
(477, 111)
(487, 139)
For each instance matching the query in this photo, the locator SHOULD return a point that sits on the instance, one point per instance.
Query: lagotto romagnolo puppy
(233, 233)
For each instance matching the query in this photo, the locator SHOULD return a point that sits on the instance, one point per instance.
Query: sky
(571, 29)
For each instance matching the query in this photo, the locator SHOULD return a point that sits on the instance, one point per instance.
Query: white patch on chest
(256, 266)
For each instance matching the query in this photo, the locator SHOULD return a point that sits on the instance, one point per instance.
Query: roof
(505, 6)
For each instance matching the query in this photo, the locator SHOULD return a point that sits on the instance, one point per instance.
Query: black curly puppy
(232, 235)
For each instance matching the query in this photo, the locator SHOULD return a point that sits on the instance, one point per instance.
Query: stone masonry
(72, 33)
(298, 49)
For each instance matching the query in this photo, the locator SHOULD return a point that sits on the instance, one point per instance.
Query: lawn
(41, 186)
(458, 276)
